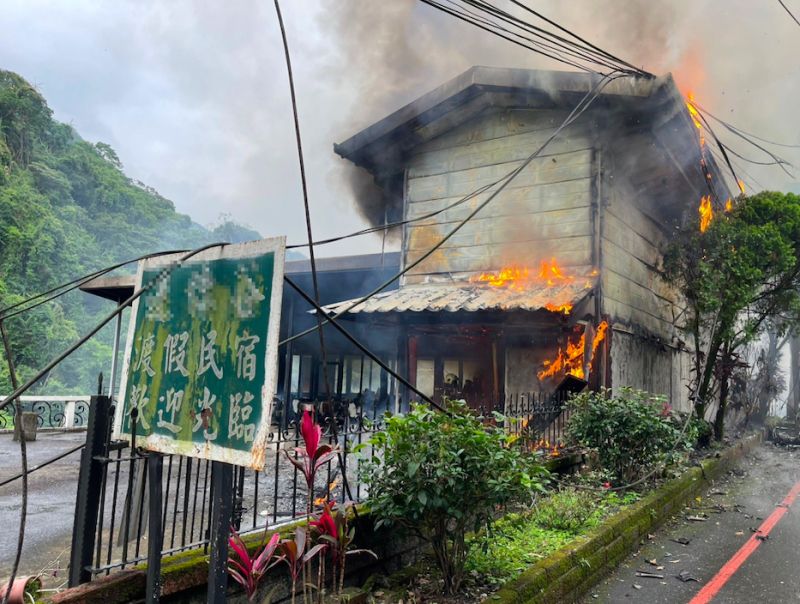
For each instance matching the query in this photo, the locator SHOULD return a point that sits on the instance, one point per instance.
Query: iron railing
(116, 535)
(52, 412)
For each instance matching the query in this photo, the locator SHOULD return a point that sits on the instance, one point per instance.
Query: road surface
(51, 496)
(735, 507)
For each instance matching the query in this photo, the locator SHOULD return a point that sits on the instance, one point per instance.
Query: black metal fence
(260, 499)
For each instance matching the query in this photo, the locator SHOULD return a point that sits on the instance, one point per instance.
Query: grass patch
(517, 541)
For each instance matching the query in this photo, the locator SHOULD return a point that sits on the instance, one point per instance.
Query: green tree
(737, 275)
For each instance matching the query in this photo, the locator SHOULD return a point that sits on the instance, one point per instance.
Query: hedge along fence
(569, 573)
(184, 576)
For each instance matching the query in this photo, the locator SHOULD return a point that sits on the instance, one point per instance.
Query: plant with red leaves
(313, 456)
(293, 552)
(246, 570)
(333, 532)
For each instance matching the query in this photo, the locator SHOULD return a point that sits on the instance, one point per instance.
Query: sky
(193, 95)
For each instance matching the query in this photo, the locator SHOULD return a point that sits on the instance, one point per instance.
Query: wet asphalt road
(51, 495)
(733, 506)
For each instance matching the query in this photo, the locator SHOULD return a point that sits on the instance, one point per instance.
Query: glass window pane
(425, 376)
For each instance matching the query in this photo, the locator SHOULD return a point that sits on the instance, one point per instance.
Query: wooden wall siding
(545, 211)
(633, 242)
(642, 365)
(495, 124)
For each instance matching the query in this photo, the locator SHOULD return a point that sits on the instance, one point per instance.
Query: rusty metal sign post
(200, 371)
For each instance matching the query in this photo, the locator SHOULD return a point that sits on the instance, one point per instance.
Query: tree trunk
(724, 382)
(708, 373)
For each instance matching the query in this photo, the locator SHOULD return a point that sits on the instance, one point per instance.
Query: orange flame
(519, 278)
(570, 361)
(706, 212)
(728, 205)
(319, 501)
(695, 115)
(551, 273)
(741, 185)
(561, 308)
(511, 277)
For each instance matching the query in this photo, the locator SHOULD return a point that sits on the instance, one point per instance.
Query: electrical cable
(399, 223)
(779, 160)
(786, 8)
(310, 237)
(334, 323)
(122, 306)
(503, 182)
(577, 37)
(76, 283)
(585, 50)
(737, 129)
(43, 464)
(462, 17)
(557, 48)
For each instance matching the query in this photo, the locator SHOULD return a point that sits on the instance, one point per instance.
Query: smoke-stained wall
(544, 212)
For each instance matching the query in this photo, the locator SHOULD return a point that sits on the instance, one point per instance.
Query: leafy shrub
(629, 432)
(442, 475)
(566, 510)
(699, 432)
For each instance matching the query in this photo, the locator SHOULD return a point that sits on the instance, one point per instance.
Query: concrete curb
(569, 573)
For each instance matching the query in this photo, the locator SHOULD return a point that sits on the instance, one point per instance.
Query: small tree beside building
(737, 276)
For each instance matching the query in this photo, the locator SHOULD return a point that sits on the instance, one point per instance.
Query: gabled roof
(476, 89)
(656, 103)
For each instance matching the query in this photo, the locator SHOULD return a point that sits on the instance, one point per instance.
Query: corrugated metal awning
(469, 298)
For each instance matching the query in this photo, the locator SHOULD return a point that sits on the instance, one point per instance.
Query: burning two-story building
(559, 274)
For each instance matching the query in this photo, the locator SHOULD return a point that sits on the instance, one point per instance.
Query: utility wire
(786, 8)
(739, 130)
(71, 285)
(335, 323)
(586, 51)
(477, 24)
(503, 182)
(556, 47)
(314, 281)
(122, 306)
(23, 453)
(577, 37)
(44, 464)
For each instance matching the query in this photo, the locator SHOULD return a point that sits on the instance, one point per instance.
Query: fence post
(155, 533)
(90, 482)
(221, 516)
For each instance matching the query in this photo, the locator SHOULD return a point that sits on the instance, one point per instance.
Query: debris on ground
(648, 575)
(686, 576)
(682, 540)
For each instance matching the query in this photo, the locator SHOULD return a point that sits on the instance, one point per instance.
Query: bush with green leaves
(566, 510)
(629, 432)
(442, 475)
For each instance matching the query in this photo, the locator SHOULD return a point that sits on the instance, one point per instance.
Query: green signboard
(201, 357)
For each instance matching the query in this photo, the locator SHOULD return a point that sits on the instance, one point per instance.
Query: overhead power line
(572, 49)
(501, 183)
(103, 322)
(786, 8)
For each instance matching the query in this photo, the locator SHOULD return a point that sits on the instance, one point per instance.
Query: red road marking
(711, 589)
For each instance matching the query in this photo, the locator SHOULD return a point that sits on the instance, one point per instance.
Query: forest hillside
(67, 209)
